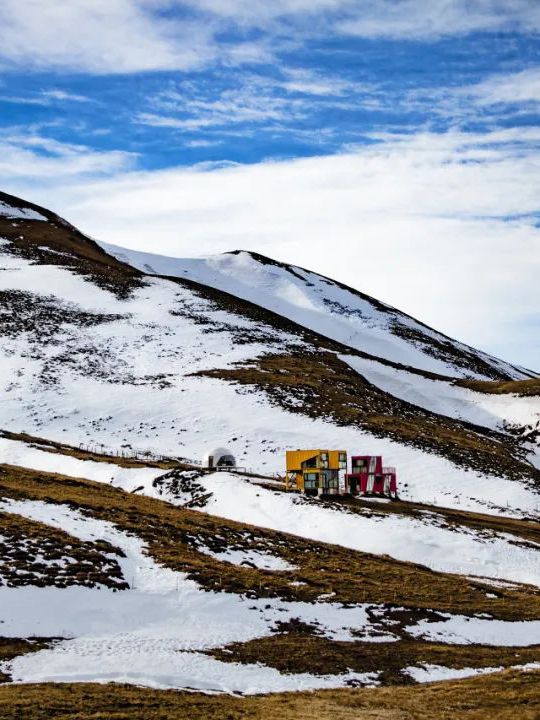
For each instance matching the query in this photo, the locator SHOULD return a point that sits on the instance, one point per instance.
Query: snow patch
(19, 213)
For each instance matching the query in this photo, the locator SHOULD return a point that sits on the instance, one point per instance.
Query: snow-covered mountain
(152, 572)
(331, 309)
(112, 585)
(94, 350)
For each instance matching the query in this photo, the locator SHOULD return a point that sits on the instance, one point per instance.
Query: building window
(330, 479)
(310, 481)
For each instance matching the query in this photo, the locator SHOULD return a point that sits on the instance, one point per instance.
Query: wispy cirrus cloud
(517, 87)
(309, 82)
(127, 36)
(252, 102)
(39, 158)
(62, 96)
(45, 98)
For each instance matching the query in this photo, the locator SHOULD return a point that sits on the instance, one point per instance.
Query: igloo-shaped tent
(219, 457)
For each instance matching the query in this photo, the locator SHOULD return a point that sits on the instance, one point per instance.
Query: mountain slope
(151, 571)
(206, 603)
(330, 308)
(95, 350)
(504, 696)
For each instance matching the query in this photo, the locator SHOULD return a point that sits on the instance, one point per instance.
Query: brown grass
(33, 553)
(173, 535)
(330, 389)
(11, 648)
(298, 652)
(510, 695)
(525, 388)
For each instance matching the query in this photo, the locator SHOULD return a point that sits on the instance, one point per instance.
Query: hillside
(96, 351)
(331, 309)
(206, 603)
(500, 696)
(124, 561)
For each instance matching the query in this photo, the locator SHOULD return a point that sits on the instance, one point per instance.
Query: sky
(390, 144)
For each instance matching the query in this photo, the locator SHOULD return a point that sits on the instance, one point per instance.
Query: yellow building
(315, 471)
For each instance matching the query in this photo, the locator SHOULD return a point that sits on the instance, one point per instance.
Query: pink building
(369, 477)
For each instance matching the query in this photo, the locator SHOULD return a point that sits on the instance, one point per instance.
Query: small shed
(219, 458)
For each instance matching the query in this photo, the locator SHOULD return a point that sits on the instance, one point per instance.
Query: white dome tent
(219, 457)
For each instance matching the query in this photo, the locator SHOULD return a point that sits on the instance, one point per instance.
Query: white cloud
(419, 221)
(124, 36)
(519, 87)
(45, 98)
(62, 95)
(202, 143)
(36, 158)
(409, 19)
(432, 19)
(167, 121)
(300, 80)
(20, 100)
(100, 36)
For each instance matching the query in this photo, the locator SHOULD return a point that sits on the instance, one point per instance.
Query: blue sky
(405, 132)
(320, 97)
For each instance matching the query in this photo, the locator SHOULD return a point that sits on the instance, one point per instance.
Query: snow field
(463, 551)
(489, 555)
(262, 560)
(436, 673)
(442, 397)
(153, 633)
(110, 391)
(310, 300)
(14, 452)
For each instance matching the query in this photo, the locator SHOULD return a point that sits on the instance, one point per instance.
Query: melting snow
(262, 560)
(311, 300)
(19, 213)
(153, 633)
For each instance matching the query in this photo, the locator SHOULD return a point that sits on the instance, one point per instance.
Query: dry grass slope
(525, 388)
(174, 536)
(323, 386)
(297, 651)
(510, 695)
(32, 553)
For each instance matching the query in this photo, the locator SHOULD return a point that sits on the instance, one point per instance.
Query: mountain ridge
(238, 344)
(124, 561)
(360, 318)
